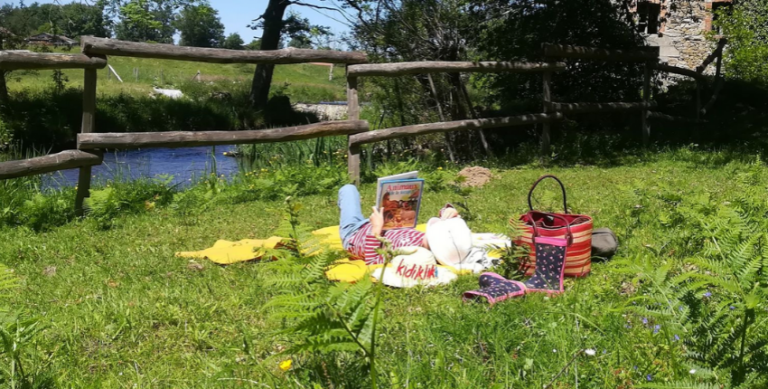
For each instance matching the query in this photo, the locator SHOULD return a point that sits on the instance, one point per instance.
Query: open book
(400, 197)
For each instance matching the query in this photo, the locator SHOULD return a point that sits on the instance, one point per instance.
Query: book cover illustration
(400, 200)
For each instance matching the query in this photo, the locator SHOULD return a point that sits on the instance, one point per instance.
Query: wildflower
(649, 377)
(708, 294)
(439, 168)
(590, 352)
(635, 367)
(676, 338)
(605, 351)
(692, 371)
(554, 350)
(286, 365)
(731, 307)
(656, 328)
(645, 320)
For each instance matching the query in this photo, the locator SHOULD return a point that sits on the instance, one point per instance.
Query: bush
(746, 27)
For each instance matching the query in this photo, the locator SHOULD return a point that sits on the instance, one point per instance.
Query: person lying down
(360, 235)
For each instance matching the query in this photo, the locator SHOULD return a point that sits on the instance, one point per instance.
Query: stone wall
(682, 34)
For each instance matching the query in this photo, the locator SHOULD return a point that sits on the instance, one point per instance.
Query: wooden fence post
(353, 113)
(698, 99)
(547, 98)
(88, 124)
(646, 128)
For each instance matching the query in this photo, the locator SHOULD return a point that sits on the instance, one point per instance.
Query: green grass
(303, 82)
(123, 311)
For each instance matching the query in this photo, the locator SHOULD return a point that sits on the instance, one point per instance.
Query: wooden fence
(95, 51)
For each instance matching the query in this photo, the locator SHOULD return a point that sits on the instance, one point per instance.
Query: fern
(320, 316)
(720, 305)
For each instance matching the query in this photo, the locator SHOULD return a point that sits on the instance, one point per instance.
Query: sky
(236, 15)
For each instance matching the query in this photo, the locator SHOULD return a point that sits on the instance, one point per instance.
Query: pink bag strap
(562, 187)
(568, 234)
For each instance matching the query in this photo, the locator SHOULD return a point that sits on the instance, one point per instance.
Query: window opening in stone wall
(719, 7)
(648, 17)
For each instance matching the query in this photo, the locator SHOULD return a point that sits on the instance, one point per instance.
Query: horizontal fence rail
(18, 60)
(675, 119)
(404, 68)
(648, 53)
(423, 129)
(599, 107)
(681, 71)
(103, 46)
(133, 140)
(50, 163)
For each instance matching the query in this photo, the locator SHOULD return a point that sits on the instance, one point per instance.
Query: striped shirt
(362, 244)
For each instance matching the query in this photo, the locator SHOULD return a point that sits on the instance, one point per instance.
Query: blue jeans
(352, 218)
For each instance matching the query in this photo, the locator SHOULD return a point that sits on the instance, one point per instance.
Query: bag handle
(562, 187)
(568, 234)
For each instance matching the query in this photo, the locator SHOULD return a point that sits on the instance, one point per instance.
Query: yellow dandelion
(439, 168)
(286, 365)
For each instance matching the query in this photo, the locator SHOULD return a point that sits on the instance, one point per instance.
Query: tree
(200, 26)
(147, 20)
(303, 35)
(254, 45)
(78, 19)
(746, 27)
(234, 42)
(72, 20)
(273, 25)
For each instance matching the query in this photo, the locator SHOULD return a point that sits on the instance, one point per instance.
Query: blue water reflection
(181, 163)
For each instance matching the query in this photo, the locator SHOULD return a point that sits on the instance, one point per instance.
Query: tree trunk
(270, 40)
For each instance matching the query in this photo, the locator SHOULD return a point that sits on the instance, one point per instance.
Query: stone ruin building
(678, 27)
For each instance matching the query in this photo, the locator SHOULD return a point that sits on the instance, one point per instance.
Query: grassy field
(122, 312)
(304, 82)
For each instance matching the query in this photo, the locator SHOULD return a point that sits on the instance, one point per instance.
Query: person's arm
(372, 242)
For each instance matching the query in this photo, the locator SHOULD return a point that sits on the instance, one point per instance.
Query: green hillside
(303, 82)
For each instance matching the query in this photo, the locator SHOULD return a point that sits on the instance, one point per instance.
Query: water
(181, 163)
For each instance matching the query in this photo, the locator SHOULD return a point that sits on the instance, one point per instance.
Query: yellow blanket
(226, 252)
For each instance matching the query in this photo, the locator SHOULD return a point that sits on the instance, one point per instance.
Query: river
(182, 163)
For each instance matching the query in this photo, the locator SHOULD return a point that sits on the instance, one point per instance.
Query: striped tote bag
(578, 262)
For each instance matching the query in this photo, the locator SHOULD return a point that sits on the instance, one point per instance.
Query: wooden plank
(546, 96)
(646, 126)
(105, 46)
(718, 52)
(599, 107)
(670, 118)
(641, 54)
(17, 60)
(353, 113)
(681, 71)
(423, 129)
(134, 140)
(69, 159)
(403, 68)
(87, 125)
